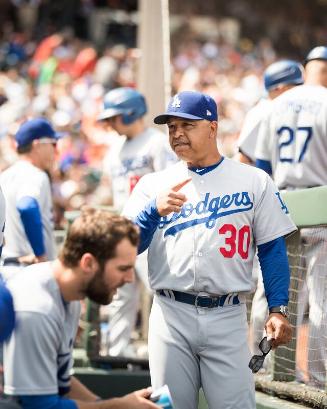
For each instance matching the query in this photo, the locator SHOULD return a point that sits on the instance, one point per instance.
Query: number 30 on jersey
(236, 241)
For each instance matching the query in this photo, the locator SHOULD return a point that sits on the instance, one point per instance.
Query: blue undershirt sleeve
(7, 312)
(275, 271)
(264, 165)
(148, 221)
(47, 402)
(30, 215)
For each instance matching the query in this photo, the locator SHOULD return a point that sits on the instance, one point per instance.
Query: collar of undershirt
(207, 169)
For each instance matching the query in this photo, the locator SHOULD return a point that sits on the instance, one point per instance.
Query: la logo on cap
(176, 102)
(208, 112)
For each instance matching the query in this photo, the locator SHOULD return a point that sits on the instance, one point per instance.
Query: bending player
(98, 256)
(202, 220)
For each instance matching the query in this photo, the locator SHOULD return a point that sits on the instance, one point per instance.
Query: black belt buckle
(213, 301)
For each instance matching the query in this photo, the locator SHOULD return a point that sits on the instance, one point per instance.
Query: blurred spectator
(26, 187)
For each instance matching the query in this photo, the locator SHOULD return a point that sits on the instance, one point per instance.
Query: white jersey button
(200, 254)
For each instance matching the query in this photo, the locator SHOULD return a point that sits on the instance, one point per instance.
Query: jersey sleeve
(36, 188)
(262, 149)
(271, 216)
(248, 136)
(30, 214)
(30, 357)
(139, 198)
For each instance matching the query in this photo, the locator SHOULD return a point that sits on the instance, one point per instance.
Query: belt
(201, 301)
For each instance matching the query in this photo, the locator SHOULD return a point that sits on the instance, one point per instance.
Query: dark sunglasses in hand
(256, 361)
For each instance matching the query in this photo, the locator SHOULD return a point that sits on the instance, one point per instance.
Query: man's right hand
(135, 400)
(32, 259)
(138, 400)
(171, 200)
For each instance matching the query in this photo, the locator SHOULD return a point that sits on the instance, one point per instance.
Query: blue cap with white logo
(189, 105)
(36, 128)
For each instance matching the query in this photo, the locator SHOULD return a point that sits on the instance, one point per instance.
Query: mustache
(179, 142)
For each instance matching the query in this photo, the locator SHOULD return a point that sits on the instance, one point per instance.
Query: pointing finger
(179, 185)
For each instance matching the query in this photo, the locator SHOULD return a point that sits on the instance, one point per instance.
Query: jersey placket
(198, 251)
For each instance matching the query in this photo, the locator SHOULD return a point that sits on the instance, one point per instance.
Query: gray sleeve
(30, 356)
(248, 136)
(262, 148)
(272, 218)
(139, 197)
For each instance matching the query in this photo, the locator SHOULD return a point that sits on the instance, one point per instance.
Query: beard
(97, 290)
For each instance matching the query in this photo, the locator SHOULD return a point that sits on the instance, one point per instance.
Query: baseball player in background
(138, 151)
(202, 220)
(26, 186)
(278, 78)
(7, 320)
(292, 147)
(7, 314)
(97, 257)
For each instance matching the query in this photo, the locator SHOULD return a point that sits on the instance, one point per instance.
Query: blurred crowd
(65, 78)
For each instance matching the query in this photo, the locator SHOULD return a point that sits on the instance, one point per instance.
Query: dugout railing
(289, 363)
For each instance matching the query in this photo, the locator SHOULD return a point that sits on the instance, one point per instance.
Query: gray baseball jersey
(209, 246)
(38, 355)
(24, 179)
(129, 159)
(247, 140)
(293, 137)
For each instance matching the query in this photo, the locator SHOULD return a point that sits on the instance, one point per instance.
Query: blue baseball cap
(33, 129)
(189, 105)
(283, 72)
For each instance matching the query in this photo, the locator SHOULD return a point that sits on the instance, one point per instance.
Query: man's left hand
(278, 329)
